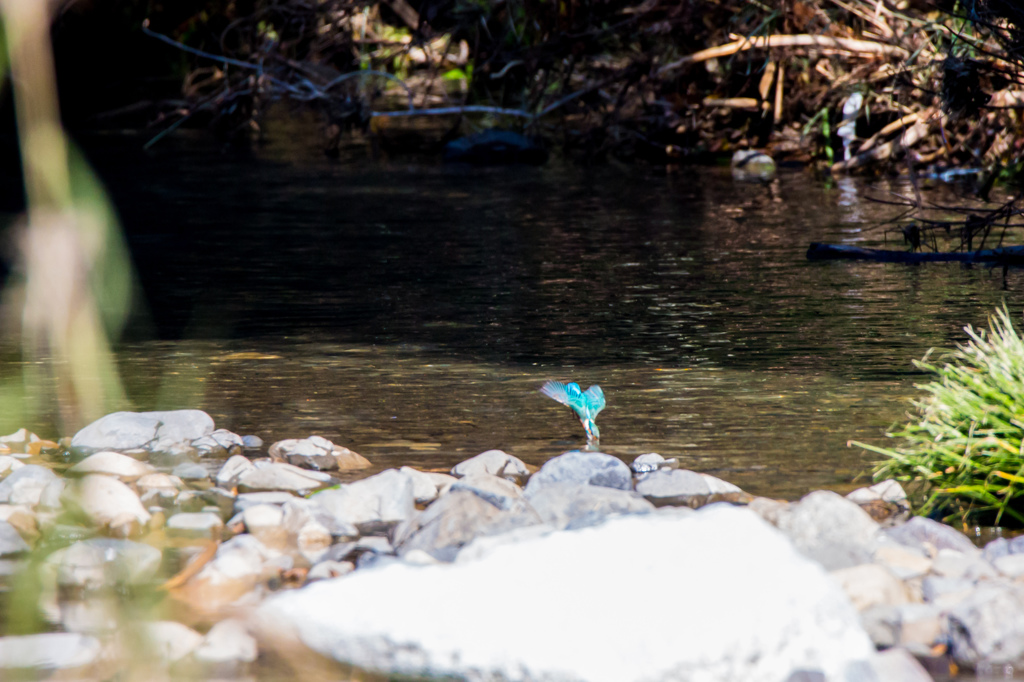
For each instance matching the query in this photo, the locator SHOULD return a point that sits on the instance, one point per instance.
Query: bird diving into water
(586, 404)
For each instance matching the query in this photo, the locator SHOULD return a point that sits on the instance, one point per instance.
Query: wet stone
(250, 442)
(191, 473)
(651, 461)
(114, 464)
(317, 453)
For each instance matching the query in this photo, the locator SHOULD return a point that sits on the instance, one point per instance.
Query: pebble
(271, 476)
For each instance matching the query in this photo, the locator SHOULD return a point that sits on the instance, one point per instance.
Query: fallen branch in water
(1010, 255)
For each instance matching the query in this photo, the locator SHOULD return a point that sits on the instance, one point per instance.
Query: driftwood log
(1010, 255)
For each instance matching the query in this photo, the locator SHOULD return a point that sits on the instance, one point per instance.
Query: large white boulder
(712, 595)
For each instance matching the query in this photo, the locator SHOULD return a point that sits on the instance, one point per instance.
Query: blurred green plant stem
(68, 242)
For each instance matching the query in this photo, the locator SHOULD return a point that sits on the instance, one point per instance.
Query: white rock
(330, 569)
(9, 464)
(372, 504)
(830, 529)
(25, 486)
(885, 491)
(500, 492)
(48, 651)
(106, 501)
(232, 470)
(427, 485)
(493, 462)
(194, 525)
(265, 522)
(141, 430)
(1011, 565)
(753, 625)
(870, 585)
(227, 642)
(114, 464)
(904, 562)
(273, 476)
(171, 641)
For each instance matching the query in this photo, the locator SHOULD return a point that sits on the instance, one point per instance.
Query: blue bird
(586, 404)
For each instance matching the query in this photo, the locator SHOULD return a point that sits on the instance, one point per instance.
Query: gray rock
(493, 462)
(299, 513)
(191, 473)
(932, 535)
(829, 529)
(9, 464)
(227, 643)
(588, 468)
(11, 543)
(759, 624)
(112, 463)
(455, 519)
(107, 502)
(951, 563)
(250, 442)
(651, 461)
(373, 505)
(945, 591)
(269, 476)
(869, 585)
(676, 487)
(502, 493)
(220, 443)
(317, 453)
(48, 651)
(427, 485)
(1003, 547)
(49, 498)
(25, 486)
(921, 626)
(169, 640)
(149, 431)
(988, 626)
(194, 525)
(232, 470)
(561, 504)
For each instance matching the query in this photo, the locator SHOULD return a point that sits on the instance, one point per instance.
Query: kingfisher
(586, 404)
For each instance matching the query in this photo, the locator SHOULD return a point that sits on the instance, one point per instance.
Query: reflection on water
(410, 310)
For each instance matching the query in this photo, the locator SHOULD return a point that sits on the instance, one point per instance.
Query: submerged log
(1010, 255)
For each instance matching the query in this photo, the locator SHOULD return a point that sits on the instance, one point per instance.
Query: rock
(191, 473)
(107, 503)
(493, 462)
(232, 470)
(11, 543)
(170, 641)
(561, 504)
(100, 562)
(455, 519)
(278, 476)
(987, 626)
(898, 665)
(227, 643)
(220, 443)
(330, 569)
(250, 442)
(921, 626)
(951, 563)
(162, 482)
(589, 468)
(904, 562)
(19, 440)
(317, 453)
(23, 520)
(373, 505)
(870, 585)
(676, 487)
(240, 565)
(885, 491)
(9, 464)
(246, 500)
(495, 147)
(195, 525)
(150, 431)
(763, 624)
(752, 165)
(114, 464)
(25, 486)
(266, 523)
(426, 486)
(931, 535)
(299, 512)
(829, 529)
(945, 591)
(48, 651)
(49, 498)
(1003, 547)
(1011, 565)
(651, 461)
(501, 493)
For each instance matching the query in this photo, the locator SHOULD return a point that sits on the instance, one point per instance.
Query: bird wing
(567, 394)
(595, 400)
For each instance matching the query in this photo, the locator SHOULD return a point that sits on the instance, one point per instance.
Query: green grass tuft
(961, 449)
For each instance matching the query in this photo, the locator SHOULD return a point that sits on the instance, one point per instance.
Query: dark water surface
(410, 310)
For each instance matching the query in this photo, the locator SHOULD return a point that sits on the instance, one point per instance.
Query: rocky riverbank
(156, 542)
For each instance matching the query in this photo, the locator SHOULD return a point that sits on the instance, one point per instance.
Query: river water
(410, 310)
